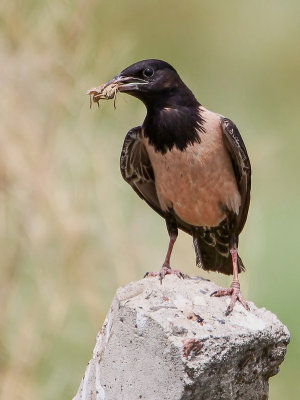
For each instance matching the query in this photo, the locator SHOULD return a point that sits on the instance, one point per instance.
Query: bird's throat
(173, 126)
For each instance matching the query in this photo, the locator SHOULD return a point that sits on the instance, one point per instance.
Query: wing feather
(241, 166)
(137, 170)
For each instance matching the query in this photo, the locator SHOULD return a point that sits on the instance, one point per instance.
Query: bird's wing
(212, 243)
(137, 170)
(241, 165)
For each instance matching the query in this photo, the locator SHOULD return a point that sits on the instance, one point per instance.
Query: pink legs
(234, 290)
(166, 269)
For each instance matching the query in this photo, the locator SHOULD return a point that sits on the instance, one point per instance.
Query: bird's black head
(173, 115)
(154, 82)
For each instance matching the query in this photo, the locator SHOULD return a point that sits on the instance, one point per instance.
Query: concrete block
(173, 341)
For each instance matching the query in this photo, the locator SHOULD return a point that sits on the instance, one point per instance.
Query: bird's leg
(166, 269)
(235, 290)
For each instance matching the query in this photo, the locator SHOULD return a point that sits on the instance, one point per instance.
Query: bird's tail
(214, 256)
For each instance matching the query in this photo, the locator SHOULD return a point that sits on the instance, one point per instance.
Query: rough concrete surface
(173, 341)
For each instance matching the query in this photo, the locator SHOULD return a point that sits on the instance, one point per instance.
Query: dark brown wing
(241, 165)
(137, 170)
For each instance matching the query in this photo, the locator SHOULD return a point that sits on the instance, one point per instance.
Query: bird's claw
(235, 294)
(165, 270)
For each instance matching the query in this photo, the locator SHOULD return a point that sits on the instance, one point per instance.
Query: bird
(190, 165)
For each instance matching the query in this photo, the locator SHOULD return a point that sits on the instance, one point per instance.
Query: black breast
(170, 126)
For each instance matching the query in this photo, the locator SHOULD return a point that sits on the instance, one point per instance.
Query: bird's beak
(119, 83)
(126, 83)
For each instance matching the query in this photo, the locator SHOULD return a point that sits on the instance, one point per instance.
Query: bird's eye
(148, 72)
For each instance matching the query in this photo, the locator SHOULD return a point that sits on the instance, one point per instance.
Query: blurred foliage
(71, 230)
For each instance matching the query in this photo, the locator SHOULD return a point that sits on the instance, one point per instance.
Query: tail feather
(211, 258)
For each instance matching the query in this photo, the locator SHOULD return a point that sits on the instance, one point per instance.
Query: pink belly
(197, 183)
(191, 194)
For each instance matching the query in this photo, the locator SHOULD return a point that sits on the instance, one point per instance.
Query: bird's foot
(235, 292)
(165, 270)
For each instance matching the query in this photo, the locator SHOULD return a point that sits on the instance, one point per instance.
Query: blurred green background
(71, 230)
